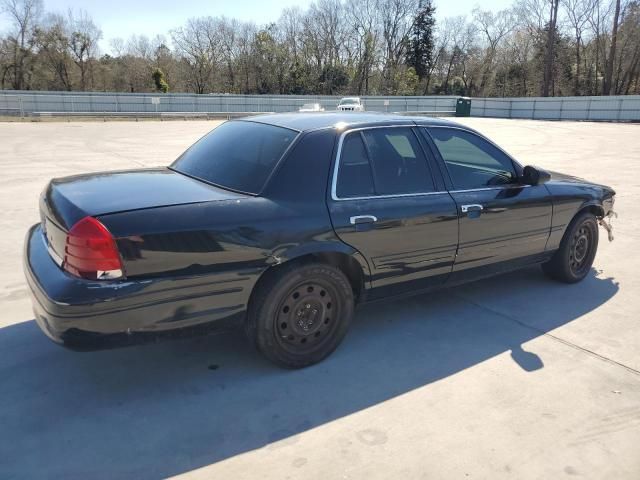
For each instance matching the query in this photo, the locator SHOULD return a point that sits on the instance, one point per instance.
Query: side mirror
(534, 176)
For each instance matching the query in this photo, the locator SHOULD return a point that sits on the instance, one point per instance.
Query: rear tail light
(91, 251)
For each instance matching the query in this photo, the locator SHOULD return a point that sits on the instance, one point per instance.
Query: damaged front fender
(605, 222)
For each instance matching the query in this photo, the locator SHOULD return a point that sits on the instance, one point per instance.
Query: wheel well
(597, 210)
(347, 264)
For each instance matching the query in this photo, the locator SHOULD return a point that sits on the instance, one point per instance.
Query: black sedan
(287, 222)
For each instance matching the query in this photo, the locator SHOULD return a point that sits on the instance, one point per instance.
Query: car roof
(314, 121)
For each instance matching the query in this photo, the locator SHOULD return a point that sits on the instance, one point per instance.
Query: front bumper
(90, 315)
(609, 214)
(605, 222)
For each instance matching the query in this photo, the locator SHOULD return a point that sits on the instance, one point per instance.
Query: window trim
(516, 165)
(336, 167)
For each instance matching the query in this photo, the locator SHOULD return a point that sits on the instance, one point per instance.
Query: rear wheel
(300, 314)
(573, 260)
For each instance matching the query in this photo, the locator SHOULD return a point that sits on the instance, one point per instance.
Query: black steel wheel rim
(307, 316)
(580, 252)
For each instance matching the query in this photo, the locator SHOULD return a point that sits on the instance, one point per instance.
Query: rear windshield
(237, 155)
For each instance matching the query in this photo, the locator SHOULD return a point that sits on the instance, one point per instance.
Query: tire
(573, 260)
(299, 314)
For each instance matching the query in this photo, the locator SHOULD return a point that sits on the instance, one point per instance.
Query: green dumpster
(463, 107)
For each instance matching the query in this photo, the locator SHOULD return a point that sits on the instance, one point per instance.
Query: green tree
(406, 81)
(159, 81)
(333, 79)
(421, 41)
(299, 79)
(560, 77)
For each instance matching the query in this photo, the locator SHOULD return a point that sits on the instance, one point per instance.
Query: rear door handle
(358, 219)
(474, 207)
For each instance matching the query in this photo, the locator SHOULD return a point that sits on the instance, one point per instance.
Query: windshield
(349, 101)
(238, 155)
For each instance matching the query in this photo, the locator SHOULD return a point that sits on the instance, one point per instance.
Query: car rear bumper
(91, 315)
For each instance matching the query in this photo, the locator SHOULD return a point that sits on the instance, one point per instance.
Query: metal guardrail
(188, 115)
(608, 108)
(142, 115)
(29, 103)
(71, 104)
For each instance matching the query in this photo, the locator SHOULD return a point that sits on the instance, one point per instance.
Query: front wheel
(573, 260)
(300, 314)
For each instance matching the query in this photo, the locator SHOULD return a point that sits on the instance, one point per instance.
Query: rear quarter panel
(232, 242)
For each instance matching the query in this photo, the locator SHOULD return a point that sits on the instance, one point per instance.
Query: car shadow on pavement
(164, 409)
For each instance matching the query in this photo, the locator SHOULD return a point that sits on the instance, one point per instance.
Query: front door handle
(358, 219)
(474, 207)
(473, 210)
(363, 223)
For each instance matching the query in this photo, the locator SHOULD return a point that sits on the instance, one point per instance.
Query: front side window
(239, 155)
(472, 162)
(382, 161)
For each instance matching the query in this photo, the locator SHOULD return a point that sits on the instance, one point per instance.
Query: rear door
(389, 202)
(502, 222)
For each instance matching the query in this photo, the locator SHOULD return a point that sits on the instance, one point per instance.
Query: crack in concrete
(549, 335)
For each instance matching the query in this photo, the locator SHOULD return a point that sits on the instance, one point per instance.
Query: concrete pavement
(513, 377)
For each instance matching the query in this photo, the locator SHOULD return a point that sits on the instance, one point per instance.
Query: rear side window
(355, 178)
(238, 155)
(399, 166)
(382, 161)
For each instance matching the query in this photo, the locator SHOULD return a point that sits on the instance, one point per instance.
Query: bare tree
(5, 62)
(548, 47)
(520, 46)
(325, 31)
(549, 58)
(197, 44)
(228, 30)
(465, 39)
(397, 21)
(598, 18)
(532, 14)
(628, 60)
(607, 84)
(52, 41)
(495, 27)
(83, 44)
(458, 34)
(140, 46)
(23, 17)
(291, 24)
(363, 43)
(577, 12)
(117, 46)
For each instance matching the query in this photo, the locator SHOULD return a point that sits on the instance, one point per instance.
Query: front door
(387, 203)
(502, 222)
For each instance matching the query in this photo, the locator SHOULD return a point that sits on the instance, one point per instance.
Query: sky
(122, 18)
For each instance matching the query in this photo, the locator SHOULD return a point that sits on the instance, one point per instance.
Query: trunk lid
(67, 200)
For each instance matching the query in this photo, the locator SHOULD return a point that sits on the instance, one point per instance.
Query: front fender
(571, 198)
